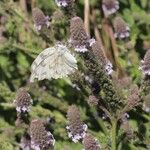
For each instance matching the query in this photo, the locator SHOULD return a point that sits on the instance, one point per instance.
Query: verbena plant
(105, 81)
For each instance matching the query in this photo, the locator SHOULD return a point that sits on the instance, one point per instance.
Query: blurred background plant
(20, 44)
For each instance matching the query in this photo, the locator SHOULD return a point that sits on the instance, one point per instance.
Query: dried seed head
(145, 66)
(40, 138)
(133, 98)
(76, 128)
(23, 101)
(121, 28)
(90, 143)
(79, 39)
(101, 57)
(64, 3)
(110, 6)
(40, 20)
(146, 104)
(92, 100)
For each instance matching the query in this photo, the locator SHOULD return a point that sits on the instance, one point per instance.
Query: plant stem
(100, 121)
(113, 134)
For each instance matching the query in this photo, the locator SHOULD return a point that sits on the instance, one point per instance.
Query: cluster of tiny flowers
(146, 104)
(63, 3)
(40, 20)
(76, 128)
(110, 7)
(133, 97)
(101, 57)
(79, 38)
(23, 101)
(121, 28)
(145, 64)
(92, 100)
(40, 138)
(90, 143)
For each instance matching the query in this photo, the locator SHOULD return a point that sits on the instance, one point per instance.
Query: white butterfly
(54, 62)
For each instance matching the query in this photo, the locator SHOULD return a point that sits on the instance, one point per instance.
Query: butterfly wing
(52, 63)
(39, 66)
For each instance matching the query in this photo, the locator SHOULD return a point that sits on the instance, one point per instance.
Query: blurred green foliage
(20, 44)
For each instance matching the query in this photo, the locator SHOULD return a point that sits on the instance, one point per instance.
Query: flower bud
(40, 20)
(90, 143)
(110, 6)
(121, 28)
(92, 100)
(79, 39)
(101, 57)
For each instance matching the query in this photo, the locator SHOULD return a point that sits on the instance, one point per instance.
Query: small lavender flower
(76, 128)
(90, 143)
(101, 57)
(41, 139)
(40, 20)
(145, 66)
(146, 104)
(110, 6)
(64, 3)
(121, 28)
(79, 38)
(23, 101)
